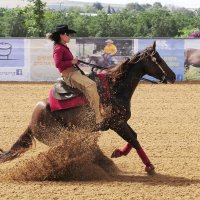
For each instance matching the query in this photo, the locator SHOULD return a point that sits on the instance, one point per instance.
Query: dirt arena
(166, 118)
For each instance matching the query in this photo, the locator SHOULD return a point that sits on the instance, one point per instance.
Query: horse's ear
(154, 45)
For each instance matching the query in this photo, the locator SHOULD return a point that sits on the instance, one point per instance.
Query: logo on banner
(162, 44)
(19, 72)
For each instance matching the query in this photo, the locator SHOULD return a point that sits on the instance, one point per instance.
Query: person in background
(64, 62)
(109, 50)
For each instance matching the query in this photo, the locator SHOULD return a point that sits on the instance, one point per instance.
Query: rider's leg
(76, 80)
(109, 58)
(106, 60)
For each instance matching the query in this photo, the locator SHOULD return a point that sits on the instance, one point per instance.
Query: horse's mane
(117, 71)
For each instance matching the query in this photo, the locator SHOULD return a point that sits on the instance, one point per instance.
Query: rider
(64, 62)
(109, 50)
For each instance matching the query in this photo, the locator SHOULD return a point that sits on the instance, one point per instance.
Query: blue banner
(11, 52)
(12, 60)
(171, 50)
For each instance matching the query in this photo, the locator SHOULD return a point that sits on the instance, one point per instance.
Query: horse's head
(154, 65)
(145, 62)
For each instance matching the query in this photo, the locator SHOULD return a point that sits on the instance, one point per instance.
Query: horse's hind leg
(129, 135)
(19, 147)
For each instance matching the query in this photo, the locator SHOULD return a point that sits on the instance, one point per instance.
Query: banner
(41, 60)
(32, 59)
(192, 59)
(93, 50)
(171, 50)
(12, 60)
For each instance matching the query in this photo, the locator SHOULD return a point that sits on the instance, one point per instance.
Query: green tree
(35, 18)
(99, 25)
(185, 21)
(163, 24)
(157, 5)
(90, 9)
(12, 23)
(122, 24)
(136, 20)
(135, 7)
(79, 22)
(98, 6)
(52, 18)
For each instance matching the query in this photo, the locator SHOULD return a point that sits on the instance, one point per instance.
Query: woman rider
(64, 62)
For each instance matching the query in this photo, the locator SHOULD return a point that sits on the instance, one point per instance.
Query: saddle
(62, 96)
(62, 91)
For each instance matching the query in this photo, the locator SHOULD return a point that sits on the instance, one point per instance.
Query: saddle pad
(65, 104)
(105, 84)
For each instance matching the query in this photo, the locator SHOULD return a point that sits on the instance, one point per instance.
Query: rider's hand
(74, 61)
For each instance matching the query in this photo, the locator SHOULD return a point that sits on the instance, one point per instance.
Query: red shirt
(62, 57)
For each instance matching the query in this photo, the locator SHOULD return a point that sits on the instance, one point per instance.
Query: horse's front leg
(129, 135)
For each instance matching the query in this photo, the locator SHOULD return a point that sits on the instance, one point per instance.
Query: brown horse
(192, 57)
(99, 60)
(124, 79)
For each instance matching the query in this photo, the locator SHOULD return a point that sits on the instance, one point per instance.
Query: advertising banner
(41, 60)
(192, 59)
(103, 52)
(32, 59)
(12, 60)
(171, 50)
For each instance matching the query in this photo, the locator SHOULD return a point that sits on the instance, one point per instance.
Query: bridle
(163, 78)
(145, 55)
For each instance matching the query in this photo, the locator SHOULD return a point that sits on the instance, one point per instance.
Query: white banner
(32, 59)
(41, 60)
(13, 65)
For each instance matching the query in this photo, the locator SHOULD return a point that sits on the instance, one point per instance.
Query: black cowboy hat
(63, 29)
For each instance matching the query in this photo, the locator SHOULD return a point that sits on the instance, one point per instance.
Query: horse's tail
(23, 144)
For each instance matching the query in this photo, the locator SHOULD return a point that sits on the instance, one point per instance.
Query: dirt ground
(166, 118)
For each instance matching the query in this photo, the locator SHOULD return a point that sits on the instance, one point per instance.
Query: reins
(106, 68)
(128, 61)
(93, 65)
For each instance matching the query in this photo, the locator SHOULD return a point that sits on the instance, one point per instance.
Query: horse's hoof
(116, 153)
(150, 169)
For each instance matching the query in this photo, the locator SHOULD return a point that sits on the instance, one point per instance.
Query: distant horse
(192, 57)
(124, 79)
(99, 60)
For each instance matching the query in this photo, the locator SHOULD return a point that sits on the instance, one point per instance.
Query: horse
(99, 60)
(192, 57)
(123, 80)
